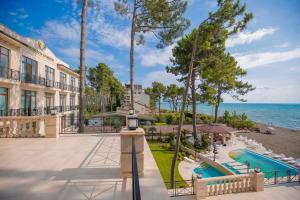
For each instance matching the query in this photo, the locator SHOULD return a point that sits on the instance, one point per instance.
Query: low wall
(214, 164)
(229, 184)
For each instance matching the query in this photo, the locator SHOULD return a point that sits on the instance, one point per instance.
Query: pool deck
(186, 169)
(74, 167)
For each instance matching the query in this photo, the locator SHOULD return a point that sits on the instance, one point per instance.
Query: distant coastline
(275, 114)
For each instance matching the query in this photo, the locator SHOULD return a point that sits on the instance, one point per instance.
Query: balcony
(10, 74)
(46, 82)
(49, 110)
(29, 79)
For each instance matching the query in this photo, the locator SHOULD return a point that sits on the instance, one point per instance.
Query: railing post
(258, 182)
(201, 189)
(126, 151)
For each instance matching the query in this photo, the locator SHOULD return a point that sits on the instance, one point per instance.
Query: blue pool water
(266, 164)
(208, 171)
(283, 115)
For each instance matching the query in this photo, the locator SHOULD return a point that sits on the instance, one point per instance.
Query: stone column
(126, 151)
(200, 189)
(52, 125)
(258, 182)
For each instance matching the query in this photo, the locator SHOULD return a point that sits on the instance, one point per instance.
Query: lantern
(132, 120)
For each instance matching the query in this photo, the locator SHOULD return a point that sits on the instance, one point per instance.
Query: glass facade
(3, 101)
(29, 70)
(3, 62)
(28, 99)
(50, 76)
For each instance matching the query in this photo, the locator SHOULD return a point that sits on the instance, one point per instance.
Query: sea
(282, 115)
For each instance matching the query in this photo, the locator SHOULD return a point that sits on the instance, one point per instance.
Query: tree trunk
(217, 107)
(159, 105)
(178, 134)
(82, 67)
(132, 34)
(193, 80)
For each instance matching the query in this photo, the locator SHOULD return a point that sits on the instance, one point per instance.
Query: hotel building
(33, 81)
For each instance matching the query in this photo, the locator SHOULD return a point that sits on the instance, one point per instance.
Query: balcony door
(3, 62)
(3, 101)
(50, 74)
(28, 103)
(29, 70)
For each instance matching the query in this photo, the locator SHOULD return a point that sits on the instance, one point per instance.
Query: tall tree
(102, 79)
(82, 66)
(222, 75)
(229, 18)
(163, 18)
(173, 95)
(158, 89)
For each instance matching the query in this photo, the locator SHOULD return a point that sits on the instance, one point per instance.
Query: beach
(282, 140)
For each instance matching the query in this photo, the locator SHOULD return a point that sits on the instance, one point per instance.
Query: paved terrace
(76, 167)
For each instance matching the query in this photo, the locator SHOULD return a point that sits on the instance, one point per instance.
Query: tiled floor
(74, 167)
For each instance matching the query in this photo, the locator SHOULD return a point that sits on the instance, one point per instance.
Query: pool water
(208, 171)
(266, 164)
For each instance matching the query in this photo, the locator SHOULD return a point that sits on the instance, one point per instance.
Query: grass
(163, 157)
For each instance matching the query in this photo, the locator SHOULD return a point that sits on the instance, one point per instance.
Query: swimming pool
(208, 171)
(266, 164)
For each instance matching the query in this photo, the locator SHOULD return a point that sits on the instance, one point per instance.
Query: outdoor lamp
(257, 170)
(132, 120)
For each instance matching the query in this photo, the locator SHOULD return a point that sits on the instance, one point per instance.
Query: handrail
(136, 194)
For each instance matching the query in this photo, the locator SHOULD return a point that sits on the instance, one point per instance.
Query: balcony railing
(9, 74)
(136, 194)
(29, 79)
(49, 110)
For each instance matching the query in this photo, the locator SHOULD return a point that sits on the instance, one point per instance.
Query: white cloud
(248, 37)
(161, 76)
(23, 16)
(61, 30)
(93, 57)
(153, 57)
(12, 13)
(247, 61)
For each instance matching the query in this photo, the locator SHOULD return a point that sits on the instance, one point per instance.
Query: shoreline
(282, 140)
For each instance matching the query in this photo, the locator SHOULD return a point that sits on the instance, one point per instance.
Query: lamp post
(132, 121)
(215, 151)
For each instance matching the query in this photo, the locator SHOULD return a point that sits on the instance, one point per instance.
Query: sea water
(283, 115)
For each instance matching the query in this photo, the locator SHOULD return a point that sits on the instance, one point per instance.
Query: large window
(72, 100)
(50, 76)
(63, 80)
(72, 83)
(29, 70)
(3, 101)
(28, 101)
(3, 62)
(49, 98)
(62, 102)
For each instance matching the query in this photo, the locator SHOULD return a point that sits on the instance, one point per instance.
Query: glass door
(28, 102)
(29, 70)
(3, 101)
(3, 62)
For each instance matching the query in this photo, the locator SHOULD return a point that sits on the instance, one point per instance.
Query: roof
(215, 129)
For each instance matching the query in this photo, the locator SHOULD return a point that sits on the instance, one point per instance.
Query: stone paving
(76, 167)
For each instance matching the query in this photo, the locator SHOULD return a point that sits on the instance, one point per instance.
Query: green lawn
(163, 157)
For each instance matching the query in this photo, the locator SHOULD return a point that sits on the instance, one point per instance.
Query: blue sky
(269, 49)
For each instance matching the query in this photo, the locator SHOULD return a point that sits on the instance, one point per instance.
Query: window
(28, 101)
(62, 80)
(49, 98)
(3, 62)
(29, 70)
(62, 102)
(50, 76)
(72, 83)
(72, 100)
(3, 101)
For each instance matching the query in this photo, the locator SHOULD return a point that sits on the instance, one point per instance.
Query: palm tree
(82, 66)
